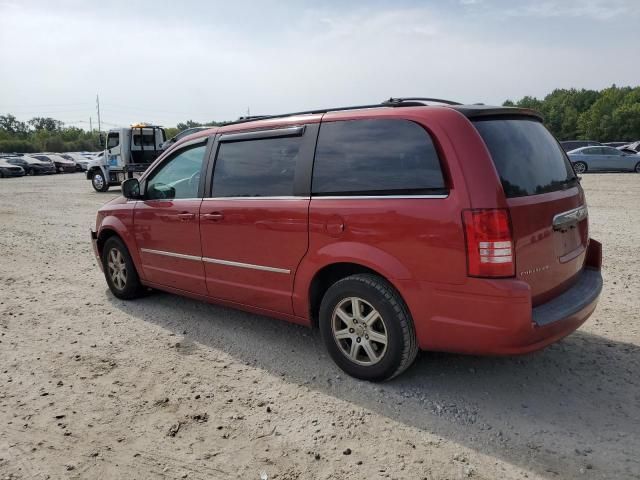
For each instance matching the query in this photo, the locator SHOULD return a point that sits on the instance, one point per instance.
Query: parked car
(31, 166)
(392, 228)
(634, 146)
(39, 167)
(181, 135)
(569, 145)
(615, 144)
(627, 150)
(62, 164)
(80, 161)
(603, 159)
(10, 170)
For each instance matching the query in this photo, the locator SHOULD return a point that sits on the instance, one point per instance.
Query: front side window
(256, 168)
(179, 177)
(113, 140)
(375, 157)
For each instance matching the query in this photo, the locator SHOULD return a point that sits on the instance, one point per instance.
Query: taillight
(489, 243)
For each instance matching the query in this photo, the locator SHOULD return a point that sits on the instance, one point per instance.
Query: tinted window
(527, 157)
(179, 177)
(256, 168)
(375, 157)
(590, 151)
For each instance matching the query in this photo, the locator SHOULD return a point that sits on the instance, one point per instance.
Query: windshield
(527, 157)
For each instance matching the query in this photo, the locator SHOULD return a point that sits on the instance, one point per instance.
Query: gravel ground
(167, 387)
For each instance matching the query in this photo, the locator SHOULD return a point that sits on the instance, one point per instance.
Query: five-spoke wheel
(359, 330)
(367, 328)
(119, 269)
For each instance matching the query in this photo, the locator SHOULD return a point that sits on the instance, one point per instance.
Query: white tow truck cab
(128, 153)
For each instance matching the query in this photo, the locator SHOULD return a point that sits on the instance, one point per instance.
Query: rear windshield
(527, 157)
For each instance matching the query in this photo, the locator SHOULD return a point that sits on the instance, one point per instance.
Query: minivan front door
(166, 222)
(254, 226)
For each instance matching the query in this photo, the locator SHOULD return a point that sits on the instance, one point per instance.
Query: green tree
(12, 125)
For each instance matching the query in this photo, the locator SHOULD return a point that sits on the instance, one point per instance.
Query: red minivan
(411, 224)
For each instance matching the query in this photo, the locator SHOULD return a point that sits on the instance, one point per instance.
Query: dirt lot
(166, 387)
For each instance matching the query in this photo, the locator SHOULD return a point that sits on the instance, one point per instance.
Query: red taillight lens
(489, 243)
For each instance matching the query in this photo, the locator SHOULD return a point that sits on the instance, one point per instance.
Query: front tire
(99, 182)
(119, 270)
(579, 167)
(367, 328)
(637, 169)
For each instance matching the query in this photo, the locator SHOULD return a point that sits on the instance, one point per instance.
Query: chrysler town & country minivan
(403, 226)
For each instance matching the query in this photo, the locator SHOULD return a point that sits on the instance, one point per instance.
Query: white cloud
(174, 67)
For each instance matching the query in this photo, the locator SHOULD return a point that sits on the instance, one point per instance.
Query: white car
(80, 160)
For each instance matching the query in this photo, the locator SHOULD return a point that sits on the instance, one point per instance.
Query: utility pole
(90, 126)
(98, 107)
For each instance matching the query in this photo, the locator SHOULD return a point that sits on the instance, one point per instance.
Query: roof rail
(401, 102)
(392, 102)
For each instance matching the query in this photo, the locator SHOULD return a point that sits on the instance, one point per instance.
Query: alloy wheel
(359, 331)
(117, 268)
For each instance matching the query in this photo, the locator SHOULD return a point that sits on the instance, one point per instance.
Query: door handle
(213, 217)
(185, 216)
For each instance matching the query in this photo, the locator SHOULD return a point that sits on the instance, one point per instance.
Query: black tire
(129, 288)
(30, 171)
(98, 182)
(401, 347)
(580, 167)
(637, 169)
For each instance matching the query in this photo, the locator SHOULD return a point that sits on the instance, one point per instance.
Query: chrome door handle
(186, 216)
(214, 217)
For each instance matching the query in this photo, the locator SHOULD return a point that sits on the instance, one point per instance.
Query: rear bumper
(495, 317)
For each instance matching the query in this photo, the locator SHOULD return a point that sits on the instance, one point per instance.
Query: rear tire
(637, 169)
(119, 270)
(580, 167)
(98, 182)
(367, 328)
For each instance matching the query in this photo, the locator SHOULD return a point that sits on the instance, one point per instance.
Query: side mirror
(131, 188)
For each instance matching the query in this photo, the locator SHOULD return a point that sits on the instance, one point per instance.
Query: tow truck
(128, 153)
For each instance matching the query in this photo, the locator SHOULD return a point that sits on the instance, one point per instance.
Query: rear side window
(527, 157)
(256, 168)
(375, 157)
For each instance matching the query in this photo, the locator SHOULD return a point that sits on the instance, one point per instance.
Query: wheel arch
(110, 228)
(328, 275)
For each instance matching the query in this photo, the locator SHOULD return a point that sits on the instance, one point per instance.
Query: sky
(165, 62)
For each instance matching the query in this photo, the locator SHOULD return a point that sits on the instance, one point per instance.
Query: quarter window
(375, 157)
(256, 168)
(179, 177)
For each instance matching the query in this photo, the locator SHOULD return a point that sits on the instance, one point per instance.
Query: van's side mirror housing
(131, 188)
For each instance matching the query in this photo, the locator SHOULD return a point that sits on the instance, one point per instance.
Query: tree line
(604, 115)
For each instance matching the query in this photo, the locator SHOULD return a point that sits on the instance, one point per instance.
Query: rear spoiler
(480, 111)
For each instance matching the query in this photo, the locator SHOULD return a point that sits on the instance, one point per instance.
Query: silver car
(603, 159)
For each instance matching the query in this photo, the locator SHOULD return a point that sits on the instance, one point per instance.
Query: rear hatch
(546, 203)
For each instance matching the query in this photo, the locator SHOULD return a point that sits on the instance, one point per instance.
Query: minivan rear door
(546, 203)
